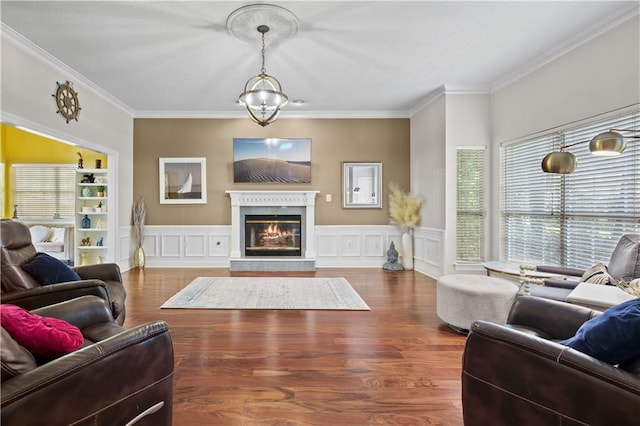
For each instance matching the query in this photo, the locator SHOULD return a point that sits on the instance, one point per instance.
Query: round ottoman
(462, 299)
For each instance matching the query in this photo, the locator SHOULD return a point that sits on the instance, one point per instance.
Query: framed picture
(183, 180)
(361, 185)
(269, 160)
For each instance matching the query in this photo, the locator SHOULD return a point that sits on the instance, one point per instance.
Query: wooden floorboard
(396, 364)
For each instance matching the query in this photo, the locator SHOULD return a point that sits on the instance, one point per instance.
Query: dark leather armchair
(19, 288)
(516, 374)
(118, 377)
(624, 264)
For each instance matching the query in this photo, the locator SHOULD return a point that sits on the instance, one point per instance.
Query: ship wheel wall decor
(67, 101)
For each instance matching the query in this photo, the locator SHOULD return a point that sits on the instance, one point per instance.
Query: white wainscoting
(428, 251)
(354, 246)
(339, 246)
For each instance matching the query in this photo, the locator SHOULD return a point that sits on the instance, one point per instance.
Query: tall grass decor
(404, 210)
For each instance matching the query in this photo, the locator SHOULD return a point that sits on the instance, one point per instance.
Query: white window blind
(571, 220)
(44, 190)
(471, 207)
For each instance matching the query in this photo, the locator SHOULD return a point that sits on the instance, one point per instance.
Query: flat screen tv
(269, 160)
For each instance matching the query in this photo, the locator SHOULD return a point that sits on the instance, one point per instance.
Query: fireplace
(273, 235)
(274, 253)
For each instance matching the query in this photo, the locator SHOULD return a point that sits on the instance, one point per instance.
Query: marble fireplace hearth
(272, 202)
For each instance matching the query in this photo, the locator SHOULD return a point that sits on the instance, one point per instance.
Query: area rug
(267, 293)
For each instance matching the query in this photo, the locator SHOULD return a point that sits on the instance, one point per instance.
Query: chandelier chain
(263, 70)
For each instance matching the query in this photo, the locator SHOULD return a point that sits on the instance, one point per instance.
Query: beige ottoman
(462, 299)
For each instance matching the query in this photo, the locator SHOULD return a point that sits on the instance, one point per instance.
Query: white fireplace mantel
(305, 199)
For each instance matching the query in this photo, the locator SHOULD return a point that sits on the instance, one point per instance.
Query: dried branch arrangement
(139, 218)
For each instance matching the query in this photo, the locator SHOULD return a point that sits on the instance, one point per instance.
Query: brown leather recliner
(19, 288)
(516, 374)
(118, 377)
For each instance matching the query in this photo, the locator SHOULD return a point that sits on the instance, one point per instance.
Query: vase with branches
(139, 219)
(404, 211)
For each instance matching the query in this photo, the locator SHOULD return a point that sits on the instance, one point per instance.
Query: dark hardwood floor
(397, 364)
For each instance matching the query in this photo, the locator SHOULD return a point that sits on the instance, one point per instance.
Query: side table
(512, 270)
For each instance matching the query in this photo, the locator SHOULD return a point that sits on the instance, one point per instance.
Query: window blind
(471, 206)
(44, 190)
(572, 220)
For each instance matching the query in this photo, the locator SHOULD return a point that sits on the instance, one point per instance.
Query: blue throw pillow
(612, 337)
(48, 270)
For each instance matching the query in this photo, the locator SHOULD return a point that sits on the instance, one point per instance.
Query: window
(572, 220)
(471, 204)
(44, 190)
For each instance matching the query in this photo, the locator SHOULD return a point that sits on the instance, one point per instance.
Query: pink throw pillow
(42, 336)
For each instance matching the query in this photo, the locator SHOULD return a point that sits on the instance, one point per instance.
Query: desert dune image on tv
(268, 160)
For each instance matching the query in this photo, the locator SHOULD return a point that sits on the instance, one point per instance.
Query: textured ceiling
(349, 58)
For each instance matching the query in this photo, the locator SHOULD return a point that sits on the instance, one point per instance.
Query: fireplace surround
(276, 204)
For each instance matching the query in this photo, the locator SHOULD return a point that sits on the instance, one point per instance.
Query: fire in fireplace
(272, 235)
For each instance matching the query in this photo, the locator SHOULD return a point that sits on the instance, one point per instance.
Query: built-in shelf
(91, 253)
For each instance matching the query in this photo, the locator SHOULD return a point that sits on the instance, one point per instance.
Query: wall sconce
(606, 144)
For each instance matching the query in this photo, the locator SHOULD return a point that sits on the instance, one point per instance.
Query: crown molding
(27, 46)
(448, 89)
(579, 39)
(283, 116)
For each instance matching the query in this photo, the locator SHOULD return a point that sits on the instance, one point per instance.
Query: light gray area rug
(267, 293)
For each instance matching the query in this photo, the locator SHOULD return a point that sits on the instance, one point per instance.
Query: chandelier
(262, 95)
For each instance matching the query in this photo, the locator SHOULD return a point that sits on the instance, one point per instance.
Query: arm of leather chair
(560, 283)
(110, 274)
(555, 319)
(38, 297)
(90, 314)
(82, 312)
(511, 377)
(560, 270)
(101, 271)
(126, 376)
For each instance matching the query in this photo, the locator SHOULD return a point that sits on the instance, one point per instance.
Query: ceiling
(348, 58)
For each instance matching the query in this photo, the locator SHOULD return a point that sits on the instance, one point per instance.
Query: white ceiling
(349, 58)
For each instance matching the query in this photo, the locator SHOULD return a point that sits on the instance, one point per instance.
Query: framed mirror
(361, 185)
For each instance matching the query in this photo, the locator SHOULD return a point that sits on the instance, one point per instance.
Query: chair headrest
(14, 234)
(625, 259)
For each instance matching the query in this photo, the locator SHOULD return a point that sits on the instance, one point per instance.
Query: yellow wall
(19, 146)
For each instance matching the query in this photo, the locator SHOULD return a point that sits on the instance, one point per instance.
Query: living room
(560, 89)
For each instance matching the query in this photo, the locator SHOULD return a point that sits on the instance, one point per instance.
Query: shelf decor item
(101, 190)
(87, 192)
(86, 222)
(139, 219)
(404, 210)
